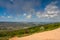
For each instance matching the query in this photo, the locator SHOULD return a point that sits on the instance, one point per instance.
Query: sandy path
(47, 35)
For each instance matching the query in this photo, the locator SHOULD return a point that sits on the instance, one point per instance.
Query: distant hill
(16, 25)
(19, 25)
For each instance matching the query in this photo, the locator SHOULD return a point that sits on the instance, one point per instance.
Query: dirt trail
(47, 35)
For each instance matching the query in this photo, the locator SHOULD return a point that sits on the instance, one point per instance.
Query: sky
(30, 10)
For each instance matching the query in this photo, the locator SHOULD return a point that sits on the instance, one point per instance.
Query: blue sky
(30, 10)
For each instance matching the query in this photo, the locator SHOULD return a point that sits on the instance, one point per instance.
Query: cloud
(24, 14)
(50, 11)
(6, 17)
(41, 15)
(38, 14)
(27, 9)
(2, 16)
(28, 16)
(9, 16)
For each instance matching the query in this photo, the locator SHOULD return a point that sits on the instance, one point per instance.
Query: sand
(47, 35)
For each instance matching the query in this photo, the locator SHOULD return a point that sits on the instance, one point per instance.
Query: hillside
(6, 34)
(47, 35)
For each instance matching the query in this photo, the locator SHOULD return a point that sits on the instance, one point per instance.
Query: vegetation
(5, 34)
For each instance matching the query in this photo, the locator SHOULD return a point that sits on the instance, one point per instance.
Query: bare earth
(47, 35)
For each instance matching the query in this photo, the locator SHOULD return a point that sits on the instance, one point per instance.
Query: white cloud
(38, 14)
(28, 16)
(2, 16)
(24, 14)
(51, 11)
(9, 16)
